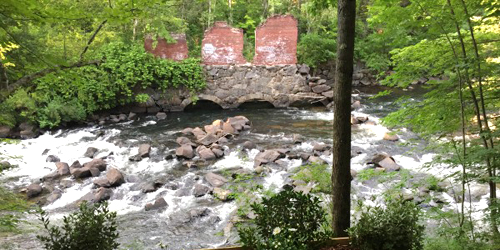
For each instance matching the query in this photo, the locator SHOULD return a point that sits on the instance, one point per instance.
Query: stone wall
(229, 86)
(361, 75)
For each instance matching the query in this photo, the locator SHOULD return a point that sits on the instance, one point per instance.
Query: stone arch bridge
(231, 86)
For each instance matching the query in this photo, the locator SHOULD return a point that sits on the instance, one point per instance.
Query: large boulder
(205, 153)
(102, 182)
(96, 163)
(91, 151)
(227, 128)
(54, 196)
(218, 152)
(200, 190)
(187, 131)
(184, 140)
(62, 168)
(319, 147)
(249, 145)
(103, 194)
(389, 164)
(390, 137)
(208, 139)
(115, 177)
(215, 180)
(297, 138)
(321, 88)
(52, 158)
(198, 133)
(238, 122)
(185, 151)
(161, 116)
(82, 172)
(5, 131)
(144, 150)
(33, 190)
(28, 131)
(159, 203)
(266, 157)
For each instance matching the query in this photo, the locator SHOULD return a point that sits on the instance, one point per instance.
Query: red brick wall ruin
(176, 51)
(276, 41)
(275, 44)
(222, 44)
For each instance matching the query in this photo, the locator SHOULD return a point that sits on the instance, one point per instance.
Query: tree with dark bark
(341, 168)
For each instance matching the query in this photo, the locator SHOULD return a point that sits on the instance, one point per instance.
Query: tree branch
(28, 78)
(92, 39)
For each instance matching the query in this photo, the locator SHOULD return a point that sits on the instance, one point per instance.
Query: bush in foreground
(92, 227)
(288, 220)
(393, 227)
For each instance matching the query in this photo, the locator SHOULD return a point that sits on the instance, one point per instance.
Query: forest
(423, 153)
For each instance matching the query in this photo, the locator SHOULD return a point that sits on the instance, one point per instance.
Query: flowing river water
(191, 222)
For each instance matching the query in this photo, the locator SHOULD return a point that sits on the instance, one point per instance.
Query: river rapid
(190, 222)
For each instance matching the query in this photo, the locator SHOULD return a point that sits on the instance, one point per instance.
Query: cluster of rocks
(119, 115)
(23, 131)
(52, 184)
(207, 143)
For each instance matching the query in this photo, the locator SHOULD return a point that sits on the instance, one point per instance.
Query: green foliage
(289, 220)
(394, 227)
(20, 106)
(317, 173)
(12, 204)
(449, 235)
(315, 49)
(59, 110)
(92, 227)
(125, 71)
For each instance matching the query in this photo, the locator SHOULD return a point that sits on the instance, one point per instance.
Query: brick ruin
(177, 51)
(222, 45)
(275, 44)
(276, 41)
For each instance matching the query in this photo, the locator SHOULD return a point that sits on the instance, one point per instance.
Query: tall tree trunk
(341, 168)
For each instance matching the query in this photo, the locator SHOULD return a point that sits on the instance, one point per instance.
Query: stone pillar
(177, 51)
(276, 41)
(222, 45)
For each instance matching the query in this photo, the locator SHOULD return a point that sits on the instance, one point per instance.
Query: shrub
(288, 220)
(314, 49)
(394, 227)
(92, 227)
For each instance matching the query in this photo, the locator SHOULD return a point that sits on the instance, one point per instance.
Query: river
(191, 222)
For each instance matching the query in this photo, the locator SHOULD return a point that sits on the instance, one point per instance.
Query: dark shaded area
(256, 105)
(202, 105)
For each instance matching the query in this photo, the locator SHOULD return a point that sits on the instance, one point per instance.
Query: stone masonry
(231, 86)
